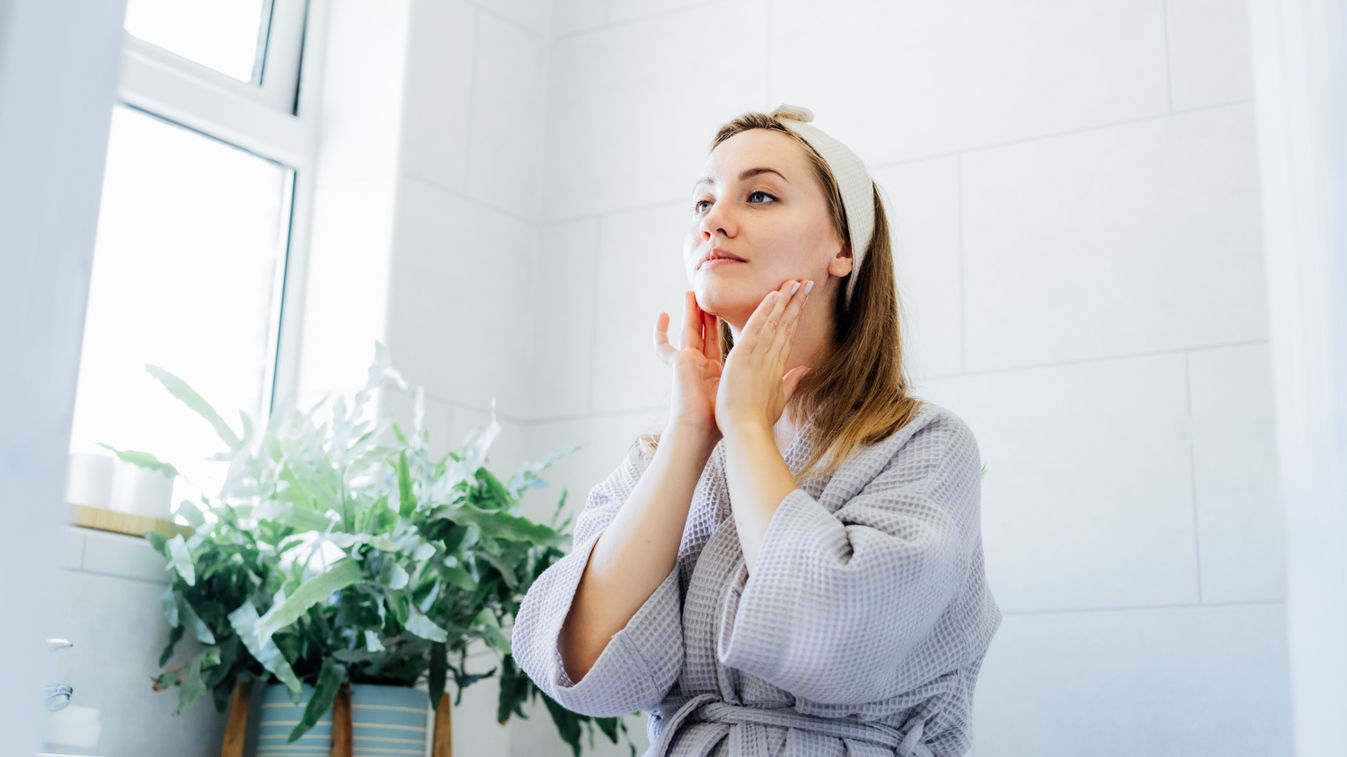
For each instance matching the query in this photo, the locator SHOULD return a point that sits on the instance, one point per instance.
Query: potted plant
(336, 564)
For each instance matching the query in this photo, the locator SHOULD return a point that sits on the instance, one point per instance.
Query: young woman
(753, 604)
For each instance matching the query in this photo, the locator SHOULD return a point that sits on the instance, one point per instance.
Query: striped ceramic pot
(386, 721)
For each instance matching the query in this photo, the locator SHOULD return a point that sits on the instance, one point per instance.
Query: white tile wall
(898, 80)
(640, 274)
(109, 607)
(1240, 520)
(1087, 501)
(667, 81)
(565, 310)
(1209, 59)
(925, 233)
(572, 16)
(507, 107)
(460, 309)
(438, 91)
(1178, 682)
(1114, 241)
(531, 15)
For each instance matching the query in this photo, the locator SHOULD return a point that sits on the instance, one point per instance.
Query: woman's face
(777, 220)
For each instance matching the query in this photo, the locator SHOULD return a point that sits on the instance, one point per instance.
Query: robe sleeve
(840, 600)
(642, 660)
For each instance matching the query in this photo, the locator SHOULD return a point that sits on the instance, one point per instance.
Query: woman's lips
(717, 262)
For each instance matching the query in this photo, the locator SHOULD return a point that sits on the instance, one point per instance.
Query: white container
(88, 479)
(141, 491)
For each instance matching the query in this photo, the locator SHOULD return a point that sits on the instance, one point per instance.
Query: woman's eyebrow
(747, 174)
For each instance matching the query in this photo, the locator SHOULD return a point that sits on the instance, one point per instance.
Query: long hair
(860, 395)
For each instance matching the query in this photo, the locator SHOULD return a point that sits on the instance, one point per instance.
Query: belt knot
(711, 709)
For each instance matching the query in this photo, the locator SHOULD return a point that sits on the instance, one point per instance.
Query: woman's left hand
(752, 389)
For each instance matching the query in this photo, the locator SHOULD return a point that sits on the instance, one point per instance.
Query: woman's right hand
(696, 366)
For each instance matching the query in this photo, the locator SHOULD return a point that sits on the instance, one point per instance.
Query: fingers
(692, 323)
(663, 350)
(789, 321)
(756, 326)
(763, 326)
(713, 350)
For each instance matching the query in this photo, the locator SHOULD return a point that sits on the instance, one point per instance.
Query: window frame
(274, 120)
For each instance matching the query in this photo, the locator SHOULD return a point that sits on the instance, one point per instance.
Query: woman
(751, 608)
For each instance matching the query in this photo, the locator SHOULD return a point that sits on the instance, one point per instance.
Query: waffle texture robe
(861, 632)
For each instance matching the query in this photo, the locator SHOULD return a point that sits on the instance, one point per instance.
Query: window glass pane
(189, 253)
(225, 35)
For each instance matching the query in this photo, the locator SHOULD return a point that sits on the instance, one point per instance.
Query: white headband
(852, 179)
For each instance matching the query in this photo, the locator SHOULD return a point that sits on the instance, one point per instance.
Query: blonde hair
(861, 393)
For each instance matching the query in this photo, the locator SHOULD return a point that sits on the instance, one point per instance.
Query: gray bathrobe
(860, 633)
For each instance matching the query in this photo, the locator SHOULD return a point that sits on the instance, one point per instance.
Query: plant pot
(385, 720)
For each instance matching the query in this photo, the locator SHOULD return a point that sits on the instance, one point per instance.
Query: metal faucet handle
(58, 697)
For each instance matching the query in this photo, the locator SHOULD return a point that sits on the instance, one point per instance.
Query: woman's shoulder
(935, 436)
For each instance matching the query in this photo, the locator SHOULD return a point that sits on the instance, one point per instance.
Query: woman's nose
(715, 222)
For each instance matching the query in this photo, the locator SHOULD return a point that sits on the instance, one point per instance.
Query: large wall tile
(1117, 241)
(564, 312)
(1181, 682)
(1087, 498)
(460, 314)
(898, 80)
(533, 15)
(572, 16)
(626, 10)
(119, 630)
(346, 291)
(632, 109)
(123, 556)
(362, 103)
(507, 452)
(436, 422)
(1209, 57)
(640, 274)
(508, 108)
(438, 92)
(597, 444)
(1240, 518)
(924, 225)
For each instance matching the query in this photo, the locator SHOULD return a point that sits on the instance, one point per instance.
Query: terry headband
(853, 180)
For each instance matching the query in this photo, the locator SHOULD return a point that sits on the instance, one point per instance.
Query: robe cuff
(627, 674)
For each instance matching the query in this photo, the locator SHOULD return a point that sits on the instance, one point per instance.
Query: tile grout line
(1192, 469)
(594, 318)
(963, 271)
(1169, 72)
(1099, 359)
(960, 151)
(1132, 608)
(937, 377)
(476, 4)
(610, 24)
(472, 102)
(767, 56)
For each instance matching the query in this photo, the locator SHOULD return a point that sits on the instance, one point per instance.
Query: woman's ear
(840, 265)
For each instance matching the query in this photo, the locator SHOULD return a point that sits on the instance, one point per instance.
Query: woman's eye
(697, 206)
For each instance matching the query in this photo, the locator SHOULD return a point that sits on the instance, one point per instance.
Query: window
(204, 185)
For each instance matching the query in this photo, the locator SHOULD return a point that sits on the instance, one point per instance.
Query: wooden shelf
(123, 523)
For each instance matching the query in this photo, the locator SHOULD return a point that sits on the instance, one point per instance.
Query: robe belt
(709, 708)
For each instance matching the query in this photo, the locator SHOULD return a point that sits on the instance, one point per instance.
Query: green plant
(333, 555)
